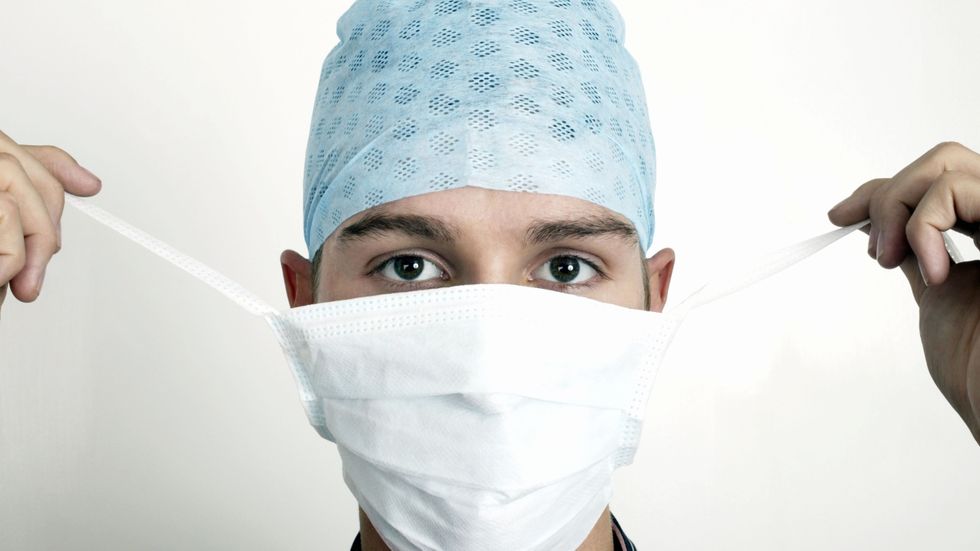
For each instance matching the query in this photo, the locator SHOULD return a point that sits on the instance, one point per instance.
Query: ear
(297, 274)
(659, 269)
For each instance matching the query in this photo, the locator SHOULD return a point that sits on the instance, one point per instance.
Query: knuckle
(874, 192)
(950, 146)
(873, 185)
(55, 152)
(6, 159)
(51, 149)
(879, 187)
(946, 149)
(877, 196)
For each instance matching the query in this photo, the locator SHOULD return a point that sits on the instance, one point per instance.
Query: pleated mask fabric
(530, 424)
(421, 96)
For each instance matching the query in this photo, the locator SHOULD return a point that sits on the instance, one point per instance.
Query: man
(433, 122)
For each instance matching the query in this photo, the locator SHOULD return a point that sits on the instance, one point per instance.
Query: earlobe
(660, 267)
(297, 275)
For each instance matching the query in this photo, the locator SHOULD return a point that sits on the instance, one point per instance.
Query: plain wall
(141, 410)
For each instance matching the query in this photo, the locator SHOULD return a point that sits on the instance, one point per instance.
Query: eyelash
(405, 285)
(563, 287)
(378, 268)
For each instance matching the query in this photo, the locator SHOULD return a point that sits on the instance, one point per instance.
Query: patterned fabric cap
(427, 95)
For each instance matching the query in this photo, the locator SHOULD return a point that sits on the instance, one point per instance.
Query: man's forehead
(449, 214)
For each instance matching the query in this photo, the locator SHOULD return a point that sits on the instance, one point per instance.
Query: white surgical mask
(477, 417)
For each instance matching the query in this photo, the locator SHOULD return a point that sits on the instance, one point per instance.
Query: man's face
(474, 235)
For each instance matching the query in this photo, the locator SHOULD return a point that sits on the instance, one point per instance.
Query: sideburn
(646, 281)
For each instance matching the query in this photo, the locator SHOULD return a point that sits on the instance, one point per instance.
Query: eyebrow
(412, 225)
(432, 228)
(545, 231)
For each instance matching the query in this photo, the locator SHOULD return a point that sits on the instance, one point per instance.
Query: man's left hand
(908, 212)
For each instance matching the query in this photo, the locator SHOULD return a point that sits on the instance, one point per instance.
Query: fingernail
(881, 245)
(922, 271)
(833, 208)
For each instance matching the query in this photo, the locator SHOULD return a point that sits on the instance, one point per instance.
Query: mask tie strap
(230, 289)
(772, 263)
(221, 283)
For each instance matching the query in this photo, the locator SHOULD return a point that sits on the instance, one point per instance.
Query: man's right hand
(33, 182)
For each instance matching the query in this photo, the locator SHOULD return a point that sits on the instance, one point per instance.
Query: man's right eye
(404, 268)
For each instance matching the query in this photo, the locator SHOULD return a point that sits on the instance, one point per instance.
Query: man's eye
(409, 268)
(567, 270)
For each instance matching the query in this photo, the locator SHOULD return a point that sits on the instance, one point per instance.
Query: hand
(937, 192)
(33, 181)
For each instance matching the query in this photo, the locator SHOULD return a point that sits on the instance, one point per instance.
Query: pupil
(409, 267)
(564, 268)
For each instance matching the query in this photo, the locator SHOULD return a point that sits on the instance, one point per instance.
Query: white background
(141, 410)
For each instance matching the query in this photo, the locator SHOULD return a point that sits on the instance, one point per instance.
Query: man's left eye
(410, 268)
(566, 270)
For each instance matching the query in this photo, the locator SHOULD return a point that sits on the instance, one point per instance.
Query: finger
(12, 257)
(47, 186)
(873, 241)
(954, 196)
(945, 157)
(912, 181)
(38, 231)
(3, 293)
(893, 204)
(71, 177)
(75, 178)
(855, 208)
(890, 212)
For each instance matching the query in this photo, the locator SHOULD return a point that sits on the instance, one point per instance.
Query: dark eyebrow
(413, 225)
(544, 231)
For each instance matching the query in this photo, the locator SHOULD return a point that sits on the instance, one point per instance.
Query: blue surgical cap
(427, 95)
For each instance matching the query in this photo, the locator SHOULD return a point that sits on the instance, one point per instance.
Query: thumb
(75, 178)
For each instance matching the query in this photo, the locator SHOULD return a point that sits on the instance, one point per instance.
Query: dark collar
(620, 541)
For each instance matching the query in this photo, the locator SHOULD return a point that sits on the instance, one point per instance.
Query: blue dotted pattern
(428, 95)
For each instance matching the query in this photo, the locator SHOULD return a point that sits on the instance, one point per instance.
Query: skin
(488, 243)
(33, 182)
(938, 191)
